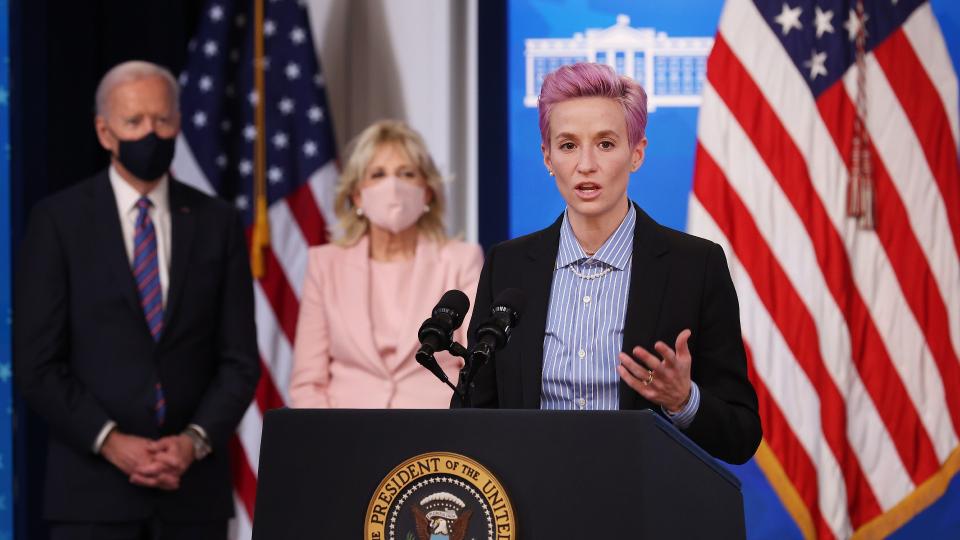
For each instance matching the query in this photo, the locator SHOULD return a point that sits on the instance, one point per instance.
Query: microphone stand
(459, 350)
(456, 349)
(421, 358)
(481, 354)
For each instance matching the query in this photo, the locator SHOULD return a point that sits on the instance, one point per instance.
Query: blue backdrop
(662, 185)
(6, 428)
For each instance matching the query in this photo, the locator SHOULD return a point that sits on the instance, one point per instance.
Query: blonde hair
(361, 150)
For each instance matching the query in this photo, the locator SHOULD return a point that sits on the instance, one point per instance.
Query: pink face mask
(393, 204)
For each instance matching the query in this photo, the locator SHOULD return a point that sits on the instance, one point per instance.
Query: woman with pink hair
(621, 312)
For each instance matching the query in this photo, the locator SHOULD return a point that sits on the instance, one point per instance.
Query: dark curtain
(492, 123)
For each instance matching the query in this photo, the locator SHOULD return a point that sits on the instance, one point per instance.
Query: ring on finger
(649, 379)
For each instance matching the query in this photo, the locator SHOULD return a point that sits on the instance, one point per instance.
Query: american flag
(853, 333)
(215, 152)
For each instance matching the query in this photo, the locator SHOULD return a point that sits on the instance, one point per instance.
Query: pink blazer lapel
(354, 274)
(417, 299)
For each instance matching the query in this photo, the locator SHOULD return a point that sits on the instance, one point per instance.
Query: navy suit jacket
(83, 353)
(677, 281)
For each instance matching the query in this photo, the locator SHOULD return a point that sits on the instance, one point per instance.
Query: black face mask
(149, 157)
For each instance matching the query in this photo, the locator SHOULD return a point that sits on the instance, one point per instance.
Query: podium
(569, 475)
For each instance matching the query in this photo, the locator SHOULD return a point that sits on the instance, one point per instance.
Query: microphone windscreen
(514, 299)
(455, 303)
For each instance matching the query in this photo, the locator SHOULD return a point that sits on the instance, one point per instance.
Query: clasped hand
(150, 463)
(664, 382)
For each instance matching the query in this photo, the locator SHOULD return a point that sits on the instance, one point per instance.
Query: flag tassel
(860, 196)
(260, 238)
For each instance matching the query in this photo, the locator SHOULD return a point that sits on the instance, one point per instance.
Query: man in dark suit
(134, 332)
(606, 285)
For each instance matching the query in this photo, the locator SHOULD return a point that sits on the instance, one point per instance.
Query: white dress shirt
(585, 325)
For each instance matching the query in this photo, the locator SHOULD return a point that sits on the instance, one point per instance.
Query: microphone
(495, 332)
(436, 333)
(491, 336)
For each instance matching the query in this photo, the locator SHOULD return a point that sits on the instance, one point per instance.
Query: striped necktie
(146, 268)
(146, 271)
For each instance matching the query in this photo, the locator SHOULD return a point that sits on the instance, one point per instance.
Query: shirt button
(582, 402)
(582, 353)
(586, 299)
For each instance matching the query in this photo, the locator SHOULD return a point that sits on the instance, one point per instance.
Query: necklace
(599, 274)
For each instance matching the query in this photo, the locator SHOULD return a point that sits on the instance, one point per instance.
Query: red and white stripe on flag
(216, 153)
(296, 223)
(853, 335)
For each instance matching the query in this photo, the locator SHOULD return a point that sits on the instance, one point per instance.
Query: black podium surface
(569, 475)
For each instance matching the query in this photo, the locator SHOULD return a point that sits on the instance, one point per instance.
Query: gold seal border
(504, 526)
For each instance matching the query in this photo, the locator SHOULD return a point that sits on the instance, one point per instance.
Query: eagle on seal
(426, 530)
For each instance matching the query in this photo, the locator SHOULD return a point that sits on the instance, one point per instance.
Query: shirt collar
(127, 197)
(614, 252)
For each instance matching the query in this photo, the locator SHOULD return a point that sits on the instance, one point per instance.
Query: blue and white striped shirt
(584, 332)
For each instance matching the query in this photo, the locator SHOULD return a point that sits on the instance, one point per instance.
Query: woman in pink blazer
(365, 296)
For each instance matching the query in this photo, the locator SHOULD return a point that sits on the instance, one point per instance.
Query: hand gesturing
(667, 382)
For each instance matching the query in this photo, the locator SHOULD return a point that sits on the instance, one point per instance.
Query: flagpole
(260, 237)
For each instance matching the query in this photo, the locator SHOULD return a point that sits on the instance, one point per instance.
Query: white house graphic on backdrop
(671, 69)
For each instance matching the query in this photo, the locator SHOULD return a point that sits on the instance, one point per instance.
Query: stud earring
(549, 172)
(359, 211)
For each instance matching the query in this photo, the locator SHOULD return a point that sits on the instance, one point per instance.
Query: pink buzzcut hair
(587, 79)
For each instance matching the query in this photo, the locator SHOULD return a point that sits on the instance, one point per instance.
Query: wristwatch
(201, 446)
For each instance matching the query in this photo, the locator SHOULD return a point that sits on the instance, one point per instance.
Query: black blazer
(83, 353)
(677, 281)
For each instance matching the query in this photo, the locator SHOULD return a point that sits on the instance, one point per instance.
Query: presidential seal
(440, 496)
